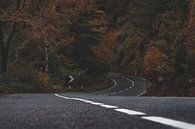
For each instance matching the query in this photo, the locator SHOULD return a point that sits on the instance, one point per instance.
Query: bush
(25, 80)
(4, 82)
(42, 81)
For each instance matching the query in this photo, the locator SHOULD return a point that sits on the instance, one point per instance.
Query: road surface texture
(118, 107)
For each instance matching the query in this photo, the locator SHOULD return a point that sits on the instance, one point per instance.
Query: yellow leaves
(42, 79)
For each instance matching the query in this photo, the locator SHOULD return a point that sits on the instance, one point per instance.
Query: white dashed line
(170, 122)
(130, 112)
(115, 84)
(113, 93)
(157, 119)
(121, 91)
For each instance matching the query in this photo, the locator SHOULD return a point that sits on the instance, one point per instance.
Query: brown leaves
(99, 23)
(105, 48)
(156, 63)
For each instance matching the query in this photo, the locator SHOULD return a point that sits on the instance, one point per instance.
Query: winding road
(118, 107)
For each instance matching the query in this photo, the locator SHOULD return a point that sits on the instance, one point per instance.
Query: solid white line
(130, 112)
(108, 106)
(87, 101)
(61, 96)
(115, 84)
(141, 94)
(170, 122)
(95, 103)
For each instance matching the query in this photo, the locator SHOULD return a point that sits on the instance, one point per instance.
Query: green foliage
(82, 53)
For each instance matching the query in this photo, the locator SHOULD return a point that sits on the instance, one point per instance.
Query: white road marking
(113, 93)
(115, 84)
(121, 91)
(108, 106)
(87, 101)
(61, 96)
(133, 83)
(157, 119)
(130, 112)
(141, 94)
(95, 103)
(170, 122)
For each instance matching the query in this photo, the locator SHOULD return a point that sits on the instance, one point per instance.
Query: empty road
(118, 107)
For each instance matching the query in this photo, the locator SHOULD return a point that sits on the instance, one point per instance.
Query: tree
(189, 34)
(105, 48)
(9, 19)
(156, 64)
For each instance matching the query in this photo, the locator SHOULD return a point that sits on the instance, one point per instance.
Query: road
(118, 107)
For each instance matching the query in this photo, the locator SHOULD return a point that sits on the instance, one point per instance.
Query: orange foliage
(154, 61)
(105, 48)
(99, 23)
(42, 79)
(189, 30)
(189, 33)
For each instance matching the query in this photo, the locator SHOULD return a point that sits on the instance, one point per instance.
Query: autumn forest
(42, 42)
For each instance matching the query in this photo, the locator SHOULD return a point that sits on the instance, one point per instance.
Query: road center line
(95, 103)
(108, 106)
(170, 122)
(130, 112)
(115, 83)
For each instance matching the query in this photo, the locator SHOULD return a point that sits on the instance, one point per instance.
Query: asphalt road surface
(118, 107)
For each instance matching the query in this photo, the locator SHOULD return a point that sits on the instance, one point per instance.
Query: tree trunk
(4, 59)
(46, 57)
(5, 46)
(4, 65)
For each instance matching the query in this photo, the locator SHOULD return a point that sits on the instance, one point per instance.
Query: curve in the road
(120, 90)
(124, 86)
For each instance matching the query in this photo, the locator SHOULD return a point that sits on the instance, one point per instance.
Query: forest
(42, 42)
